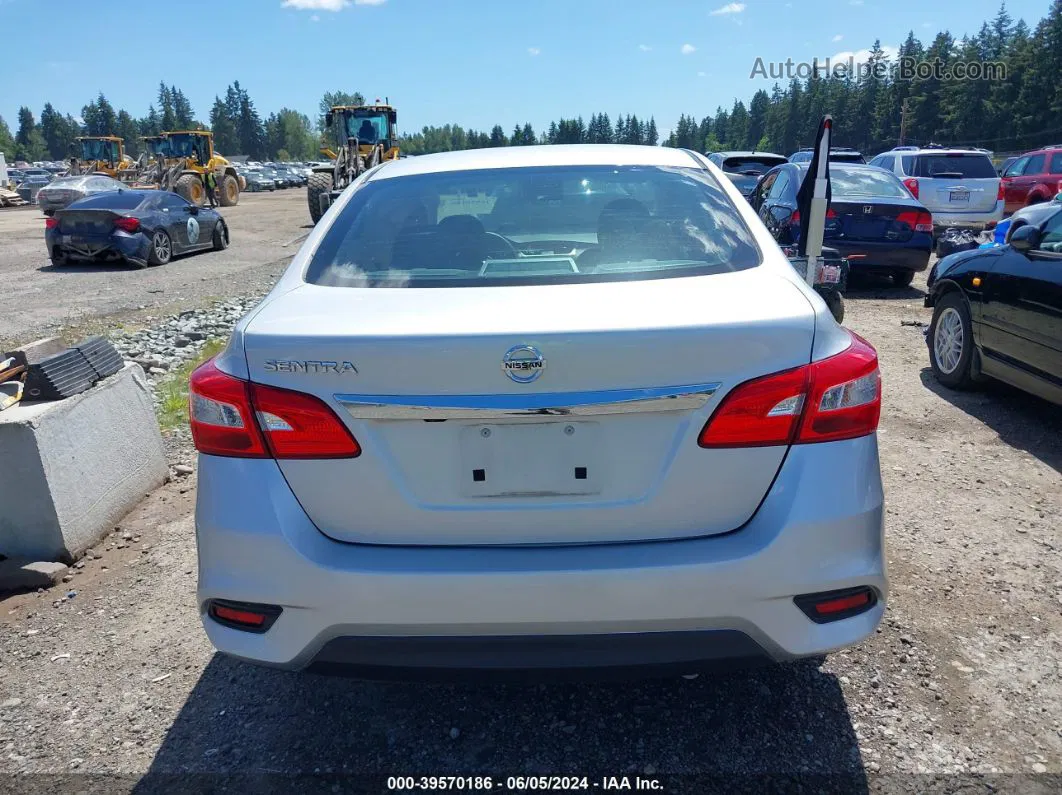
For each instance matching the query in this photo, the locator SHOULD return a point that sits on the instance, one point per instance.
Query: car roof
(545, 155)
(943, 151)
(741, 153)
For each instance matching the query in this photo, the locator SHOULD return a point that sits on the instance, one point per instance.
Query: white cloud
(315, 18)
(702, 74)
(644, 47)
(328, 5)
(855, 2)
(838, 37)
(687, 49)
(729, 8)
(533, 50)
(862, 56)
(927, 24)
(316, 5)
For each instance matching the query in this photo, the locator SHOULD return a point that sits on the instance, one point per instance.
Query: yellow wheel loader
(184, 157)
(366, 136)
(102, 154)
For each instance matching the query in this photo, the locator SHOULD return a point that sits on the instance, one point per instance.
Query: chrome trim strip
(563, 404)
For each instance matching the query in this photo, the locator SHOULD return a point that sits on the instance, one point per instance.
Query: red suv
(1032, 178)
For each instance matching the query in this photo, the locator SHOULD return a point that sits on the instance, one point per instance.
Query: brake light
(51, 223)
(1000, 191)
(833, 399)
(220, 414)
(127, 224)
(912, 186)
(233, 417)
(918, 221)
(297, 425)
(794, 219)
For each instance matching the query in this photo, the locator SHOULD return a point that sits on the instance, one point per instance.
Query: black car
(745, 168)
(140, 227)
(997, 312)
(873, 220)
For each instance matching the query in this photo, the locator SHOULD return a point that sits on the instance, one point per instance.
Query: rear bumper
(943, 219)
(432, 610)
(885, 256)
(128, 246)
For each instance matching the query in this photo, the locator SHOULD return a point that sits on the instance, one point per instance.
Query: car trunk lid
(957, 182)
(601, 446)
(872, 220)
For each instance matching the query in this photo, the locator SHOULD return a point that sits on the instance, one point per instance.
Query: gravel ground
(38, 298)
(112, 674)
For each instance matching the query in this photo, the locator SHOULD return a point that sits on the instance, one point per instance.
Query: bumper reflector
(241, 615)
(835, 605)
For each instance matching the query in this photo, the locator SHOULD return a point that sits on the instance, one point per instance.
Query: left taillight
(233, 417)
(127, 224)
(829, 400)
(51, 223)
(1001, 191)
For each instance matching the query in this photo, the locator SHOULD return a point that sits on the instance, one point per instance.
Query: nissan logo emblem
(523, 363)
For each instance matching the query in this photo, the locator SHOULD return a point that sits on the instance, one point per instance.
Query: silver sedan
(563, 408)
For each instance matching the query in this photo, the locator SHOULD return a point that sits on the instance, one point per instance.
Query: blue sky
(467, 61)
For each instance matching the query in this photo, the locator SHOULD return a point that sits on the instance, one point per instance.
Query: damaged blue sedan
(139, 227)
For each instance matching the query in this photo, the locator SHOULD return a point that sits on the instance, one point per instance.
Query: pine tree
(7, 141)
(29, 143)
(652, 137)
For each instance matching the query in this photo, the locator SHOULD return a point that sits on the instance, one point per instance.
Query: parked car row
(273, 176)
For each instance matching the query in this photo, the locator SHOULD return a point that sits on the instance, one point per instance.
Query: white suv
(960, 187)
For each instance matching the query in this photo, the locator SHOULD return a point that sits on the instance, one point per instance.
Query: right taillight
(236, 418)
(912, 186)
(833, 399)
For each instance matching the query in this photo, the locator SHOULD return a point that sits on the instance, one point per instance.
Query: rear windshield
(755, 165)
(865, 182)
(118, 200)
(540, 225)
(846, 157)
(954, 166)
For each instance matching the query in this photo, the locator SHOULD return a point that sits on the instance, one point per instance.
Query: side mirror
(1025, 238)
(781, 215)
(191, 209)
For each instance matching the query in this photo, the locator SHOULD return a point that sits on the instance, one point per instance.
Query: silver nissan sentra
(565, 409)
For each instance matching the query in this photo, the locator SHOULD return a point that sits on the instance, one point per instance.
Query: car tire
(221, 236)
(230, 191)
(59, 260)
(161, 251)
(319, 184)
(902, 278)
(190, 187)
(951, 345)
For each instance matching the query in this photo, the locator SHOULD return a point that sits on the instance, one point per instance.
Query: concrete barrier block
(72, 468)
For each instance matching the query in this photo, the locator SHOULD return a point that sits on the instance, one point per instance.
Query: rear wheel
(221, 236)
(161, 248)
(902, 278)
(59, 259)
(230, 191)
(951, 342)
(190, 186)
(318, 185)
